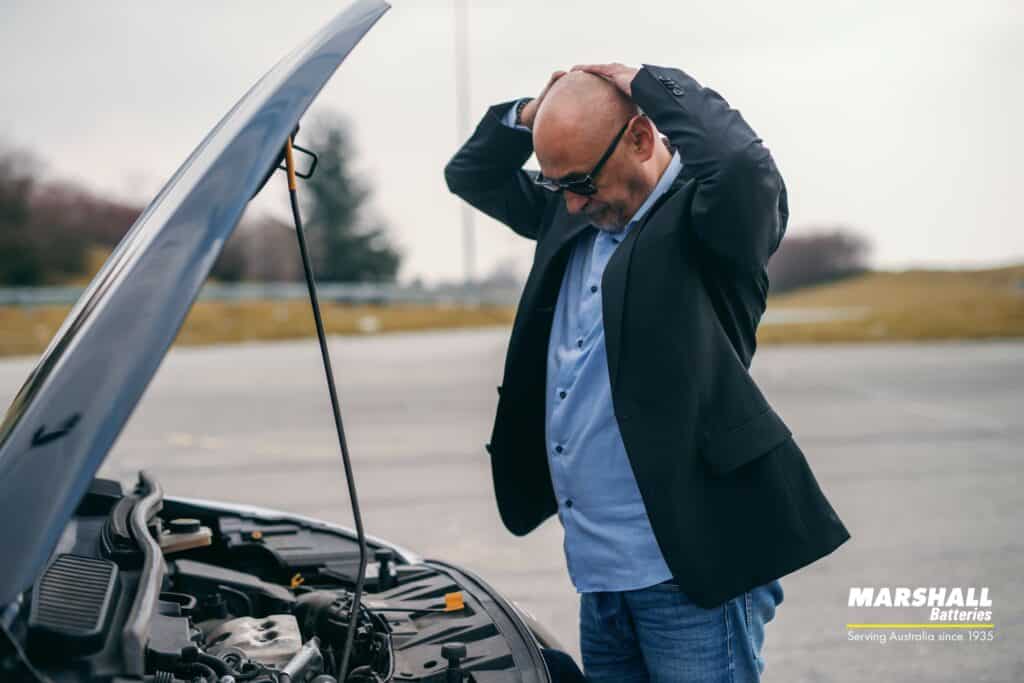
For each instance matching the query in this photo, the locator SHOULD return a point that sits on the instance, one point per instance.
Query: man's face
(620, 184)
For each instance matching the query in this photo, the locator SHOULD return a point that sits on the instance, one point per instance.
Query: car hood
(66, 417)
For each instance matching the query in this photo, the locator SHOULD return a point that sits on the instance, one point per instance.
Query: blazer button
(677, 92)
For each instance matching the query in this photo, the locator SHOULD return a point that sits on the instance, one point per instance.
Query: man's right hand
(530, 109)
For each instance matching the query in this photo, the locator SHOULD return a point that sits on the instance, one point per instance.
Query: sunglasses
(582, 185)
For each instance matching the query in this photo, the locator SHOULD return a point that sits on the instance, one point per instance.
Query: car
(103, 582)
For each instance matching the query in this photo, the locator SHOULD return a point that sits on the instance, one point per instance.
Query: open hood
(74, 404)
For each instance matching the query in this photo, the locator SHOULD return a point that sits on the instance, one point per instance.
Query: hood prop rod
(325, 354)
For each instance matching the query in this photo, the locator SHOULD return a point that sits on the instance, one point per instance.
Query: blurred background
(892, 343)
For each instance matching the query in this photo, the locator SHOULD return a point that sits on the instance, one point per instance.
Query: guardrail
(352, 293)
(384, 295)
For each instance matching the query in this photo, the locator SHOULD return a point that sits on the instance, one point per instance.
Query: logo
(952, 613)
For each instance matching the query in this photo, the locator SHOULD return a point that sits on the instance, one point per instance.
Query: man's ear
(641, 138)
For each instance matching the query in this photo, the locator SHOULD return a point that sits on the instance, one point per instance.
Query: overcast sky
(896, 118)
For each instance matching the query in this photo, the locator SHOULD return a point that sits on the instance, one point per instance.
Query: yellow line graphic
(920, 626)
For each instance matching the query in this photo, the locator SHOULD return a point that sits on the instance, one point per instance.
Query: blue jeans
(658, 634)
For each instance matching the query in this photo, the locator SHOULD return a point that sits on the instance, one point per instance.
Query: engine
(197, 635)
(144, 589)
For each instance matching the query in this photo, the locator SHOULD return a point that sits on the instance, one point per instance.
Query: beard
(610, 219)
(615, 215)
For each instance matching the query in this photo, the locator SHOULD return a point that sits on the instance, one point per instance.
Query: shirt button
(561, 394)
(558, 449)
(568, 503)
(579, 343)
(593, 288)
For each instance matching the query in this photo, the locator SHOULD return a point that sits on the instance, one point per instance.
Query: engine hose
(219, 666)
(196, 670)
(362, 674)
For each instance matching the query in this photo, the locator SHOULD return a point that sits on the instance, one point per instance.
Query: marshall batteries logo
(955, 613)
(946, 604)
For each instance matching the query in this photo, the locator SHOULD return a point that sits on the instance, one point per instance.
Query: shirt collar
(668, 176)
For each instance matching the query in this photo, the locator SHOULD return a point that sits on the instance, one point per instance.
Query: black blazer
(731, 498)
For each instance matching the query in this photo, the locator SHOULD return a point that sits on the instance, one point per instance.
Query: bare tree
(818, 255)
(67, 220)
(51, 232)
(20, 261)
(271, 250)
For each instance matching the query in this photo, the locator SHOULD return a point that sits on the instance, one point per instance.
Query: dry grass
(911, 305)
(26, 331)
(210, 322)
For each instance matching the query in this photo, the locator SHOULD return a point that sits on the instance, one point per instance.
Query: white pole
(462, 123)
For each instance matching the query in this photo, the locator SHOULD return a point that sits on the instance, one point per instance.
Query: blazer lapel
(613, 301)
(544, 282)
(564, 229)
(614, 281)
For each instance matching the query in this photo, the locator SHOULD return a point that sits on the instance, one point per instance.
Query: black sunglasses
(582, 185)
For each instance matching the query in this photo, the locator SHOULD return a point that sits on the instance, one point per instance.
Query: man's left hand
(618, 74)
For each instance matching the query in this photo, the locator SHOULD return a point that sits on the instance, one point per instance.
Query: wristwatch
(519, 109)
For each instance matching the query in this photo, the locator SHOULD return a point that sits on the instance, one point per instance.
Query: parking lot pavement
(917, 446)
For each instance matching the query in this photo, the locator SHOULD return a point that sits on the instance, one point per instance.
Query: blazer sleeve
(487, 172)
(740, 208)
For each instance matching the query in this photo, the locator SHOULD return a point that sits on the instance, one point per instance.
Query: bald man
(626, 406)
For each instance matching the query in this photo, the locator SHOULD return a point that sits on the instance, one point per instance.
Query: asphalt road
(917, 446)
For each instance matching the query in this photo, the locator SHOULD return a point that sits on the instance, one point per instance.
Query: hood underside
(74, 404)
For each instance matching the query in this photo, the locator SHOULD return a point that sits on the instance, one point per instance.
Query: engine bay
(140, 588)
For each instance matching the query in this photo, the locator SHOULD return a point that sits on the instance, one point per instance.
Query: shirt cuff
(509, 119)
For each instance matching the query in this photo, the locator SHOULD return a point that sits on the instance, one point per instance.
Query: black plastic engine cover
(72, 604)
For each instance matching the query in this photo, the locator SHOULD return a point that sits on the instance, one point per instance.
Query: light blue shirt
(609, 544)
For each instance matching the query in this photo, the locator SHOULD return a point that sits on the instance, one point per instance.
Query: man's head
(576, 124)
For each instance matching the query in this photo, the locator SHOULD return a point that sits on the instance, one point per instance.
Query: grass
(211, 321)
(906, 306)
(912, 305)
(26, 331)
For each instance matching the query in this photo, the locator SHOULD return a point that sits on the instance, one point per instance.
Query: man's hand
(530, 108)
(618, 74)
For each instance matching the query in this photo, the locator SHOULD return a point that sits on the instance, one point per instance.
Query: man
(627, 406)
